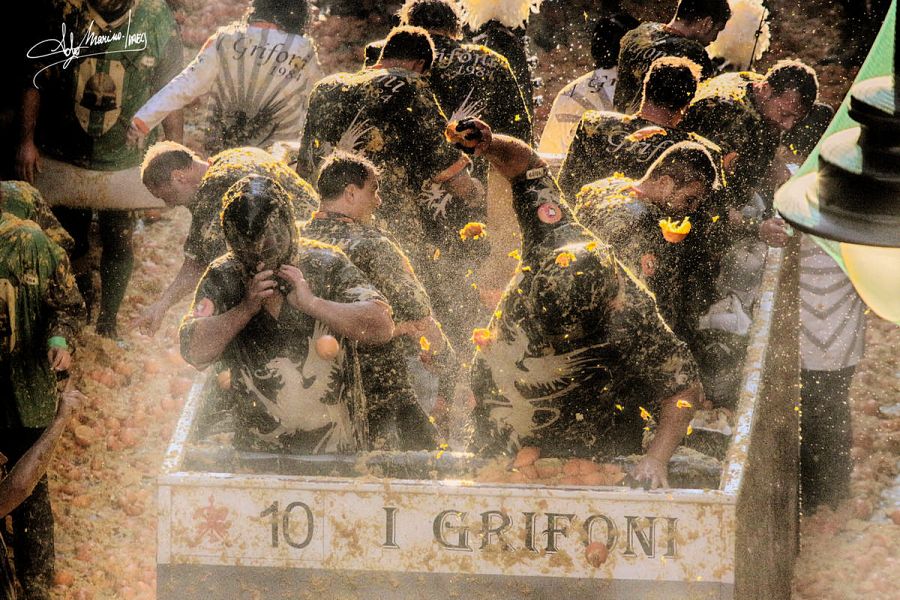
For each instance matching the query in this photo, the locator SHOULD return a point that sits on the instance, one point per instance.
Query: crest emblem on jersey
(98, 96)
(549, 212)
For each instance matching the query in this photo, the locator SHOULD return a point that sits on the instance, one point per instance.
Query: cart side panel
(766, 541)
(239, 583)
(414, 528)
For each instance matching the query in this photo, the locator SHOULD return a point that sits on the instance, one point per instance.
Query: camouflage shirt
(289, 397)
(38, 300)
(576, 347)
(206, 241)
(723, 110)
(23, 200)
(639, 48)
(614, 211)
(390, 116)
(87, 104)
(386, 378)
(474, 81)
(607, 143)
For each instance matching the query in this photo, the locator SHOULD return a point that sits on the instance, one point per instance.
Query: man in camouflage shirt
(696, 23)
(76, 114)
(747, 113)
(41, 312)
(24, 201)
(608, 142)
(177, 176)
(389, 114)
(626, 214)
(284, 314)
(576, 356)
(349, 187)
(469, 80)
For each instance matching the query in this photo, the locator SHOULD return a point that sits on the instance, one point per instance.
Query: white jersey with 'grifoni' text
(258, 78)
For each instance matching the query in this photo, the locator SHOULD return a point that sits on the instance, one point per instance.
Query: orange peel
(675, 231)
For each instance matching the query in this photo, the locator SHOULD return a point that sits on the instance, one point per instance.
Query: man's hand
(774, 232)
(262, 286)
(151, 319)
(472, 136)
(134, 138)
(60, 359)
(28, 161)
(300, 296)
(70, 403)
(651, 471)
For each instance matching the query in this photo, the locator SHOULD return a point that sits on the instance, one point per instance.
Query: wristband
(58, 341)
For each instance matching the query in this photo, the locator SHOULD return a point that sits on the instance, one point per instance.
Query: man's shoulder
(487, 56)
(643, 35)
(321, 252)
(606, 191)
(15, 231)
(234, 163)
(20, 191)
(730, 88)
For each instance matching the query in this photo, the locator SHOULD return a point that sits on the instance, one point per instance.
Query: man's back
(470, 80)
(723, 110)
(591, 91)
(390, 116)
(606, 143)
(639, 48)
(258, 77)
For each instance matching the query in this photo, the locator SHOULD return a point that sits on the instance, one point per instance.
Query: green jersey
(206, 240)
(639, 48)
(87, 102)
(38, 300)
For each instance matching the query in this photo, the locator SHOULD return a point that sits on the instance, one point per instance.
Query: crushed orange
(473, 230)
(481, 337)
(564, 259)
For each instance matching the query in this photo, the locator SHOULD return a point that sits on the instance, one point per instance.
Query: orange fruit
(526, 456)
(596, 554)
(327, 347)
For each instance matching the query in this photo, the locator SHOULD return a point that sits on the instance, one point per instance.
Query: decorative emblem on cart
(211, 522)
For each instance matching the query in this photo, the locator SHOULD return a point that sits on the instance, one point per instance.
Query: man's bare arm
(184, 283)
(28, 159)
(209, 336)
(676, 413)
(26, 473)
(368, 322)
(173, 126)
